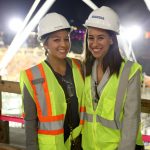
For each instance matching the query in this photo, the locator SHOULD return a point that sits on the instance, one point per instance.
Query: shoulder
(77, 64)
(34, 66)
(131, 67)
(75, 61)
(135, 67)
(26, 72)
(26, 76)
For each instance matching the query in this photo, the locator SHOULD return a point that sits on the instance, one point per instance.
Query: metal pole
(24, 34)
(90, 4)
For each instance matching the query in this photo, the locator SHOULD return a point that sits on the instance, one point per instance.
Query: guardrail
(10, 87)
(13, 87)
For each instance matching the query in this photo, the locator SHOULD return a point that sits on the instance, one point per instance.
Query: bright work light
(131, 33)
(15, 24)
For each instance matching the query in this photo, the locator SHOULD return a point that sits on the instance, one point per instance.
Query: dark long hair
(44, 39)
(112, 59)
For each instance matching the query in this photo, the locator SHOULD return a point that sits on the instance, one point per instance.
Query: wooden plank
(10, 147)
(9, 86)
(145, 106)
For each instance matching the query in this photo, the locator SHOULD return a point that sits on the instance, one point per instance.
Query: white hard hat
(52, 22)
(104, 18)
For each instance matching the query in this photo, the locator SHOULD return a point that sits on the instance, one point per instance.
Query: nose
(63, 43)
(95, 42)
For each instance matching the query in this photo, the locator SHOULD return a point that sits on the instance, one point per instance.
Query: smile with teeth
(97, 50)
(62, 50)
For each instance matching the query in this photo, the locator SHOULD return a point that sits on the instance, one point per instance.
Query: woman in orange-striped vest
(112, 88)
(52, 90)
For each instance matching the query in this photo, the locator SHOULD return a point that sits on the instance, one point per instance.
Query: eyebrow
(98, 35)
(57, 36)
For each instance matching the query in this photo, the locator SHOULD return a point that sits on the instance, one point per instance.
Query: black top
(67, 84)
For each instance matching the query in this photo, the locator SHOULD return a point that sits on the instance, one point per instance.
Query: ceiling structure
(130, 11)
(76, 11)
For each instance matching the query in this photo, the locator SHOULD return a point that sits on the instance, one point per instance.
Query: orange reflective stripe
(51, 118)
(78, 66)
(30, 76)
(46, 92)
(82, 112)
(51, 132)
(81, 121)
(82, 109)
(76, 62)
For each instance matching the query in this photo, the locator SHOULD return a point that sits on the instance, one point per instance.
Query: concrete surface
(17, 137)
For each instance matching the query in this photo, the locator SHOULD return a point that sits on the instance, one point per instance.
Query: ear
(45, 46)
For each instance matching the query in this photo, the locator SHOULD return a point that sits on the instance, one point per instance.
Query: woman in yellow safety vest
(112, 88)
(52, 91)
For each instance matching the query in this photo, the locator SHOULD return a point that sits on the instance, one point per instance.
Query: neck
(59, 65)
(99, 71)
(99, 60)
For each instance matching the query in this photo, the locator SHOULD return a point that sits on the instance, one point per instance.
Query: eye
(100, 38)
(56, 39)
(66, 39)
(90, 38)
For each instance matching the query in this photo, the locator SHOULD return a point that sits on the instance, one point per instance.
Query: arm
(31, 123)
(132, 109)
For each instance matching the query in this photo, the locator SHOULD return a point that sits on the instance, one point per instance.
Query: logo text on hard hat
(99, 17)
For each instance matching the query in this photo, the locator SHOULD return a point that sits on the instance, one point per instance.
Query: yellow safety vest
(101, 129)
(51, 104)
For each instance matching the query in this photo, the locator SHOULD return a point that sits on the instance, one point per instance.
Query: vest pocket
(107, 109)
(44, 140)
(51, 142)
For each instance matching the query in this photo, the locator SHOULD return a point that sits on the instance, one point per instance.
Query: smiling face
(58, 44)
(99, 42)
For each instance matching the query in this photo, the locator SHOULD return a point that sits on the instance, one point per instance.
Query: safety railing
(13, 87)
(10, 87)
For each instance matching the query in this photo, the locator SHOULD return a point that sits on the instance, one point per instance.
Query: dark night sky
(76, 11)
